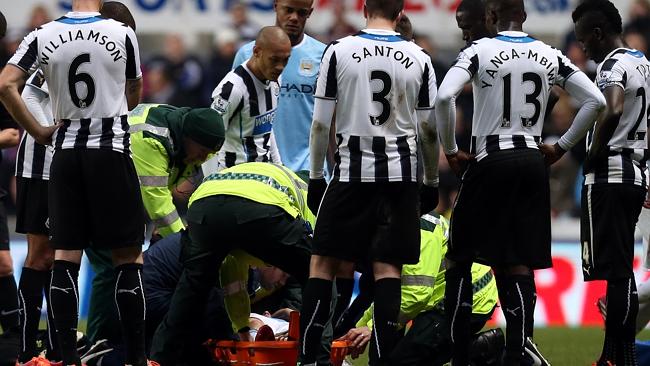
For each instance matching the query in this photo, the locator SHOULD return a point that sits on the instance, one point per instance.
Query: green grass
(568, 346)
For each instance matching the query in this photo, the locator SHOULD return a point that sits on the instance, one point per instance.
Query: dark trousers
(217, 225)
(428, 341)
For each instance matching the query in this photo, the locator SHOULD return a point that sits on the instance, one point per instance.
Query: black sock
(9, 307)
(344, 287)
(517, 301)
(31, 298)
(458, 310)
(65, 309)
(52, 344)
(620, 325)
(129, 298)
(316, 301)
(385, 320)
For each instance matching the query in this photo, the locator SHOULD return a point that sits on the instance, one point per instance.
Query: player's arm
(606, 126)
(591, 102)
(133, 88)
(319, 137)
(12, 79)
(452, 85)
(429, 145)
(227, 98)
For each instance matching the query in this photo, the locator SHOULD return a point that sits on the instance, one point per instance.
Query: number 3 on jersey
(380, 96)
(531, 98)
(75, 77)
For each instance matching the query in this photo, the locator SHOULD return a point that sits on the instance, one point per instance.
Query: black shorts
(94, 200)
(376, 222)
(609, 216)
(31, 206)
(4, 228)
(502, 212)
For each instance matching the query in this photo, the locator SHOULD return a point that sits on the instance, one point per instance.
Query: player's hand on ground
(315, 193)
(358, 339)
(459, 161)
(44, 134)
(552, 153)
(428, 198)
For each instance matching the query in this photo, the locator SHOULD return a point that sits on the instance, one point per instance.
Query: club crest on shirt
(307, 67)
(605, 79)
(220, 105)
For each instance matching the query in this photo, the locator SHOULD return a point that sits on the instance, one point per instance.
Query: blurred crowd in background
(183, 72)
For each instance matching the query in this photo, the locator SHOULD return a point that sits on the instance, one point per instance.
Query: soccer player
(615, 172)
(92, 68)
(380, 86)
(247, 97)
(259, 208)
(296, 100)
(470, 17)
(512, 75)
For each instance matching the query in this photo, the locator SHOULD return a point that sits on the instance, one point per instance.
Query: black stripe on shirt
(473, 66)
(601, 171)
(627, 165)
(226, 90)
(472, 147)
(131, 68)
(519, 141)
(126, 141)
(268, 99)
(404, 151)
(253, 104)
(60, 133)
(29, 58)
(38, 160)
(21, 156)
(331, 86)
(608, 65)
(624, 81)
(106, 139)
(354, 146)
(337, 156)
(81, 139)
(423, 95)
(381, 158)
(251, 149)
(564, 70)
(231, 158)
(492, 143)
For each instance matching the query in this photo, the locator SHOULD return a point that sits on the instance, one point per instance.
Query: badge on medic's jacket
(307, 67)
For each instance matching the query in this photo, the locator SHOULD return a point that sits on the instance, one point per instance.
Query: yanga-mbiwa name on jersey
(505, 56)
(385, 51)
(90, 35)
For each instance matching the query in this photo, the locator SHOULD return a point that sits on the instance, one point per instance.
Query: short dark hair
(600, 13)
(3, 25)
(405, 28)
(118, 11)
(475, 7)
(387, 9)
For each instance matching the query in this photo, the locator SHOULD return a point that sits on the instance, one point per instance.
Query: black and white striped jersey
(378, 80)
(86, 60)
(33, 159)
(247, 106)
(512, 75)
(628, 147)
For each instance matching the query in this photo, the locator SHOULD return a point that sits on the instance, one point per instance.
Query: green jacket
(158, 152)
(423, 284)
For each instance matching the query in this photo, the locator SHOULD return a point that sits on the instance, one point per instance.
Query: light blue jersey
(296, 102)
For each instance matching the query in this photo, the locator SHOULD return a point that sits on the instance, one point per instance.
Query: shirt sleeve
(26, 56)
(565, 69)
(327, 83)
(612, 73)
(428, 88)
(133, 70)
(468, 60)
(227, 99)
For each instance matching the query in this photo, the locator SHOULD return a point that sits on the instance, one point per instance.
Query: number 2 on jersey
(634, 134)
(531, 98)
(380, 97)
(74, 78)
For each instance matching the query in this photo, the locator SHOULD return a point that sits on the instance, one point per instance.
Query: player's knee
(6, 266)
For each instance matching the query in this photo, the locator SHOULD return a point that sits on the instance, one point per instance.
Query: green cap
(205, 127)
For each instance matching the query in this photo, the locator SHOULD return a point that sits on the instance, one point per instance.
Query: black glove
(315, 193)
(428, 199)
